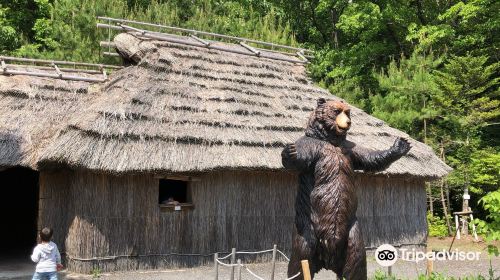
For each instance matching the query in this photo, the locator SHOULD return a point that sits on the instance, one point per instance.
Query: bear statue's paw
(401, 145)
(290, 151)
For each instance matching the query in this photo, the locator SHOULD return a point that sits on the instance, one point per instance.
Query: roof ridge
(301, 55)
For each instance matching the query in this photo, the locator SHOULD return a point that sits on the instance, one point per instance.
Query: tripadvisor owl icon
(386, 255)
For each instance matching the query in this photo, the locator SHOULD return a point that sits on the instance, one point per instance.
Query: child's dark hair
(46, 234)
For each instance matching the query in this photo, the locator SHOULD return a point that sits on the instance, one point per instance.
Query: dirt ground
(402, 269)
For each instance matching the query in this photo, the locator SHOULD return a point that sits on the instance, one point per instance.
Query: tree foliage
(66, 29)
(430, 68)
(406, 89)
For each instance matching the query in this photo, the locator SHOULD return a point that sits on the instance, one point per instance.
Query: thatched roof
(33, 111)
(188, 109)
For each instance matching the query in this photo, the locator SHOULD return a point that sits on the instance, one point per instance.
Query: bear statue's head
(330, 121)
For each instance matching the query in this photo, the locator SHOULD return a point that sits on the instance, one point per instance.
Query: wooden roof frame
(296, 55)
(59, 72)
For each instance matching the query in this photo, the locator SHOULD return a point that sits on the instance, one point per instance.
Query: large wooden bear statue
(327, 231)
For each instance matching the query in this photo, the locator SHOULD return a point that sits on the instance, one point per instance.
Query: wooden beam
(162, 37)
(4, 67)
(178, 177)
(206, 43)
(301, 55)
(62, 69)
(58, 62)
(49, 75)
(57, 70)
(107, 44)
(111, 54)
(254, 51)
(196, 32)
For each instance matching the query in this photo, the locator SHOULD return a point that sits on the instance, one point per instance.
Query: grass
(96, 273)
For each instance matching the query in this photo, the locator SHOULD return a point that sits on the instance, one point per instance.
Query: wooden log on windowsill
(178, 207)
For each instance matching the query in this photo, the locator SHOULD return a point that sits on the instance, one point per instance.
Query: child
(47, 257)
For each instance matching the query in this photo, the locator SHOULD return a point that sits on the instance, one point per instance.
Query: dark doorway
(18, 211)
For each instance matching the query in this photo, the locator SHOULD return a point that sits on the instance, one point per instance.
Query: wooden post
(389, 270)
(443, 200)
(238, 270)
(109, 35)
(233, 261)
(431, 201)
(465, 208)
(457, 224)
(430, 264)
(216, 266)
(473, 227)
(305, 269)
(275, 248)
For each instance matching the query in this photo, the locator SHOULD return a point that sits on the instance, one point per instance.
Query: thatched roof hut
(212, 121)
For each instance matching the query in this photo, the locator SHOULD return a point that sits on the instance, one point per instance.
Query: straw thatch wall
(98, 215)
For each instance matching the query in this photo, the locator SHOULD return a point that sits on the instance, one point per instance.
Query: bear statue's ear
(321, 101)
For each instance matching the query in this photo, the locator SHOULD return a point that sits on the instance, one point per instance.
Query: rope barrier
(252, 273)
(293, 277)
(228, 264)
(258, 252)
(136, 256)
(283, 254)
(218, 260)
(172, 254)
(223, 258)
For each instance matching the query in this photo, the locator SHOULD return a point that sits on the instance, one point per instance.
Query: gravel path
(20, 267)
(405, 270)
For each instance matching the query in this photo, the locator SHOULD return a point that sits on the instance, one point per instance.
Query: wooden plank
(56, 76)
(59, 62)
(305, 269)
(204, 42)
(216, 266)
(254, 51)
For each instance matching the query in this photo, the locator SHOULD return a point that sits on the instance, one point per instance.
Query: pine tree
(405, 91)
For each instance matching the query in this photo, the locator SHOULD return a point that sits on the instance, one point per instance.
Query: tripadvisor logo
(387, 255)
(443, 255)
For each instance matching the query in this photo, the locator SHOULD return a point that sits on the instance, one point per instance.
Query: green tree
(412, 63)
(8, 37)
(469, 95)
(466, 27)
(66, 29)
(405, 92)
(467, 104)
